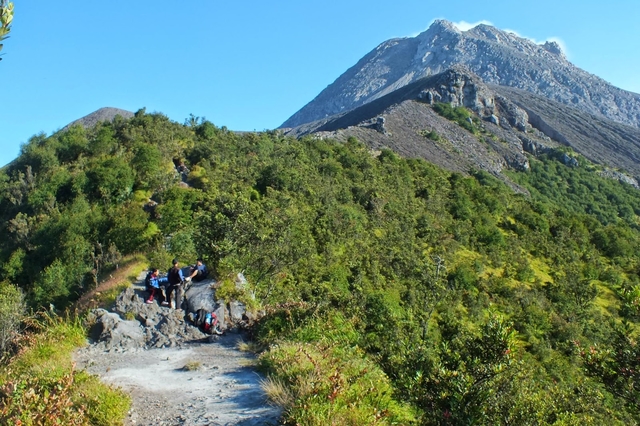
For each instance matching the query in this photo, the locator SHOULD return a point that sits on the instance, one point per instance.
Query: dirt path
(224, 390)
(87, 301)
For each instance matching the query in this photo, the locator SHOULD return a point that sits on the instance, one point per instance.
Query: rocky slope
(510, 123)
(496, 56)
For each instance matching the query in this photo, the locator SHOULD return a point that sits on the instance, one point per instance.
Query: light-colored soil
(224, 390)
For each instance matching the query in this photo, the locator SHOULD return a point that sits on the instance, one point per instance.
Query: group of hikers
(164, 288)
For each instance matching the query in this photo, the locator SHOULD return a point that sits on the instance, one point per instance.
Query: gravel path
(224, 390)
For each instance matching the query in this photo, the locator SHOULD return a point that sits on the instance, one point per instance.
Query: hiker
(152, 283)
(176, 278)
(198, 271)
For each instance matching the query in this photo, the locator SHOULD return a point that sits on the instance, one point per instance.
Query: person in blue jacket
(152, 283)
(198, 271)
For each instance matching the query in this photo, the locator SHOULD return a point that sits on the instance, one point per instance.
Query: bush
(460, 115)
(12, 309)
(41, 387)
(320, 385)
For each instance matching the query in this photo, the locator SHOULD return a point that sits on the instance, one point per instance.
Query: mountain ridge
(511, 124)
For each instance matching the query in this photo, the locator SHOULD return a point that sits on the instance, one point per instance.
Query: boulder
(518, 162)
(533, 147)
(568, 160)
(117, 333)
(201, 295)
(614, 174)
(515, 116)
(237, 311)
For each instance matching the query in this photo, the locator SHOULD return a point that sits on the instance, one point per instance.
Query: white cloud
(465, 26)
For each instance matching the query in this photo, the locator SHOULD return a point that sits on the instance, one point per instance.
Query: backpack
(207, 322)
(200, 317)
(147, 280)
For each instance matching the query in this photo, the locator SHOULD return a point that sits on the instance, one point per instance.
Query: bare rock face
(458, 86)
(496, 56)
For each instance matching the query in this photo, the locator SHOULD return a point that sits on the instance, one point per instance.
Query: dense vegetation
(395, 292)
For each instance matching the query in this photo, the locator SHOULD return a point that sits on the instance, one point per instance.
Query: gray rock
(201, 295)
(516, 116)
(109, 327)
(158, 326)
(619, 176)
(532, 146)
(567, 160)
(517, 162)
(237, 311)
(221, 313)
(241, 281)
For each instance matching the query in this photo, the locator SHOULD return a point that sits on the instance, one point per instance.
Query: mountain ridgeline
(394, 291)
(504, 127)
(497, 57)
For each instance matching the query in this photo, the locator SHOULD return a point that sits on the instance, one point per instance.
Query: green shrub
(228, 290)
(332, 384)
(41, 386)
(460, 115)
(12, 310)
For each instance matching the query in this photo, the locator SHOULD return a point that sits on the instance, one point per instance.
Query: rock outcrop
(134, 324)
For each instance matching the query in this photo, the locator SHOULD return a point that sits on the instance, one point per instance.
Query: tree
(6, 16)
(12, 309)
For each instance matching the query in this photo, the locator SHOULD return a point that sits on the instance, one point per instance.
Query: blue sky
(251, 65)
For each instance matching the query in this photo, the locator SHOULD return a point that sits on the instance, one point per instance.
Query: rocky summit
(495, 56)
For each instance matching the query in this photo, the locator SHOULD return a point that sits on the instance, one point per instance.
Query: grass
(44, 387)
(41, 382)
(318, 384)
(251, 347)
(112, 282)
(541, 270)
(192, 366)
(277, 393)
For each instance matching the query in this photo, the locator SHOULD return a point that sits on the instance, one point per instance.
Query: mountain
(103, 114)
(507, 123)
(496, 56)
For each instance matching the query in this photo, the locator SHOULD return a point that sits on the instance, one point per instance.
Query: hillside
(510, 125)
(461, 300)
(497, 56)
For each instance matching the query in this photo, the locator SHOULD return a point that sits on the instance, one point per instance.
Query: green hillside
(395, 292)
